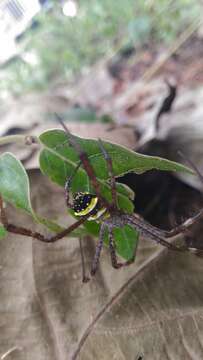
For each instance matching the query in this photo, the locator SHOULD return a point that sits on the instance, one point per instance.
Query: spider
(93, 206)
(96, 207)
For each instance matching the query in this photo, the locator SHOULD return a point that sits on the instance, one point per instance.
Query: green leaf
(125, 190)
(92, 227)
(58, 160)
(3, 231)
(14, 184)
(126, 239)
(15, 188)
(81, 115)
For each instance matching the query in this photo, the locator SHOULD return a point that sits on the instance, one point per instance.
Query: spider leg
(99, 245)
(110, 171)
(85, 278)
(193, 166)
(86, 163)
(152, 232)
(112, 248)
(183, 227)
(34, 234)
(68, 185)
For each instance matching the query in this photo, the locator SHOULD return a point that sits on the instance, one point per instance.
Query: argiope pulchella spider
(88, 206)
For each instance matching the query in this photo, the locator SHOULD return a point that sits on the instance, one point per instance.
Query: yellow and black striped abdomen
(86, 203)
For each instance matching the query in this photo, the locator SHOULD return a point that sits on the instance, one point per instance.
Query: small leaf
(82, 115)
(3, 231)
(14, 184)
(106, 119)
(15, 188)
(125, 190)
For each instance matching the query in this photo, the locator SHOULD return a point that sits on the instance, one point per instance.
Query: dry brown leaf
(153, 308)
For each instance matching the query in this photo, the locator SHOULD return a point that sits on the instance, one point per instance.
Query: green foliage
(14, 184)
(82, 115)
(126, 241)
(3, 232)
(58, 160)
(15, 188)
(56, 146)
(100, 28)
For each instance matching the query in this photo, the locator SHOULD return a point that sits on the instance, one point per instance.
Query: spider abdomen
(85, 203)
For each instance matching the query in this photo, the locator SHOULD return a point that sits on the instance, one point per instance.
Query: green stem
(24, 139)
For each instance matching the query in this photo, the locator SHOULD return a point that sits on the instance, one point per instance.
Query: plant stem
(24, 139)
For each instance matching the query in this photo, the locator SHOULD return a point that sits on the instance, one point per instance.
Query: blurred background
(48, 44)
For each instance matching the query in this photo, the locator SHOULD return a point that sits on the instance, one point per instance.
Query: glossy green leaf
(15, 188)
